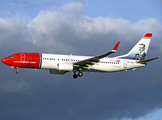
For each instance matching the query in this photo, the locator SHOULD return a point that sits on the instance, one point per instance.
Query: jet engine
(64, 67)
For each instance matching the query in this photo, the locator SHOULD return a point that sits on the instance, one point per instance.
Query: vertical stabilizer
(139, 51)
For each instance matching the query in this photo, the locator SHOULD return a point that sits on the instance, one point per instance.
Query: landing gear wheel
(75, 76)
(17, 72)
(80, 74)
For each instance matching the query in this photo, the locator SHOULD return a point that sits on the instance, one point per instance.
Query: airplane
(61, 64)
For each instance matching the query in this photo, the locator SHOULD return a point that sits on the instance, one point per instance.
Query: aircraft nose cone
(6, 61)
(3, 60)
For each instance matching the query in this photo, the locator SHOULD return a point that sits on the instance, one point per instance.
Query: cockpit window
(11, 56)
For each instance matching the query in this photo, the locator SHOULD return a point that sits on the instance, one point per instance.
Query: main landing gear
(80, 74)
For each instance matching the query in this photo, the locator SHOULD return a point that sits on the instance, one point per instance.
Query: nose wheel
(17, 72)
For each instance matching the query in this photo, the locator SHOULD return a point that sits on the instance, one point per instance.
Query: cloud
(96, 96)
(63, 28)
(18, 86)
(74, 7)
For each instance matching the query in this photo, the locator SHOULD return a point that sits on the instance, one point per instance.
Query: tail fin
(139, 51)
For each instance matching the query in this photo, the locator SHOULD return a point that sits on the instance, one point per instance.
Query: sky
(80, 27)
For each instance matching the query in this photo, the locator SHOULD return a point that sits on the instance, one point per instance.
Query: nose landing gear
(17, 71)
(14, 67)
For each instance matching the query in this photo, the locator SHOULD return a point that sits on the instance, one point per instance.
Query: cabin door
(22, 57)
(125, 64)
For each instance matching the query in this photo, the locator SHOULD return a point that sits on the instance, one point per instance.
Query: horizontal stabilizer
(148, 60)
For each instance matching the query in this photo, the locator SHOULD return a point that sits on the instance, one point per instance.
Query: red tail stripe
(148, 35)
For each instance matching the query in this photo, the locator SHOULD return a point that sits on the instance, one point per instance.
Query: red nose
(3, 60)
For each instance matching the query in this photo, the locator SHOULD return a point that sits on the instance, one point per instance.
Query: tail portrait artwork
(139, 51)
(141, 55)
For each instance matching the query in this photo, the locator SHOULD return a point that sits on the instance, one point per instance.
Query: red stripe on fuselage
(24, 60)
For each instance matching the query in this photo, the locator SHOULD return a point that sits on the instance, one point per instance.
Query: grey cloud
(15, 86)
(96, 96)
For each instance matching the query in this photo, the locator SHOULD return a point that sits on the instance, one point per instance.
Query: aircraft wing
(93, 60)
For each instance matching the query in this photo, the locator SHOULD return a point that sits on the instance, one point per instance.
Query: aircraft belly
(106, 68)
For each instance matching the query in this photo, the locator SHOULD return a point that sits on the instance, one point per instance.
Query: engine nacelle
(64, 67)
(57, 72)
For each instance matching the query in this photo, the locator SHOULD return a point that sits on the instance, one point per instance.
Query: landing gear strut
(17, 71)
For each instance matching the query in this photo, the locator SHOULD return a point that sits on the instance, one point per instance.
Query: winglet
(148, 35)
(116, 47)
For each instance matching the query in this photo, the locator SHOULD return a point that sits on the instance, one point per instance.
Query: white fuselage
(51, 61)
